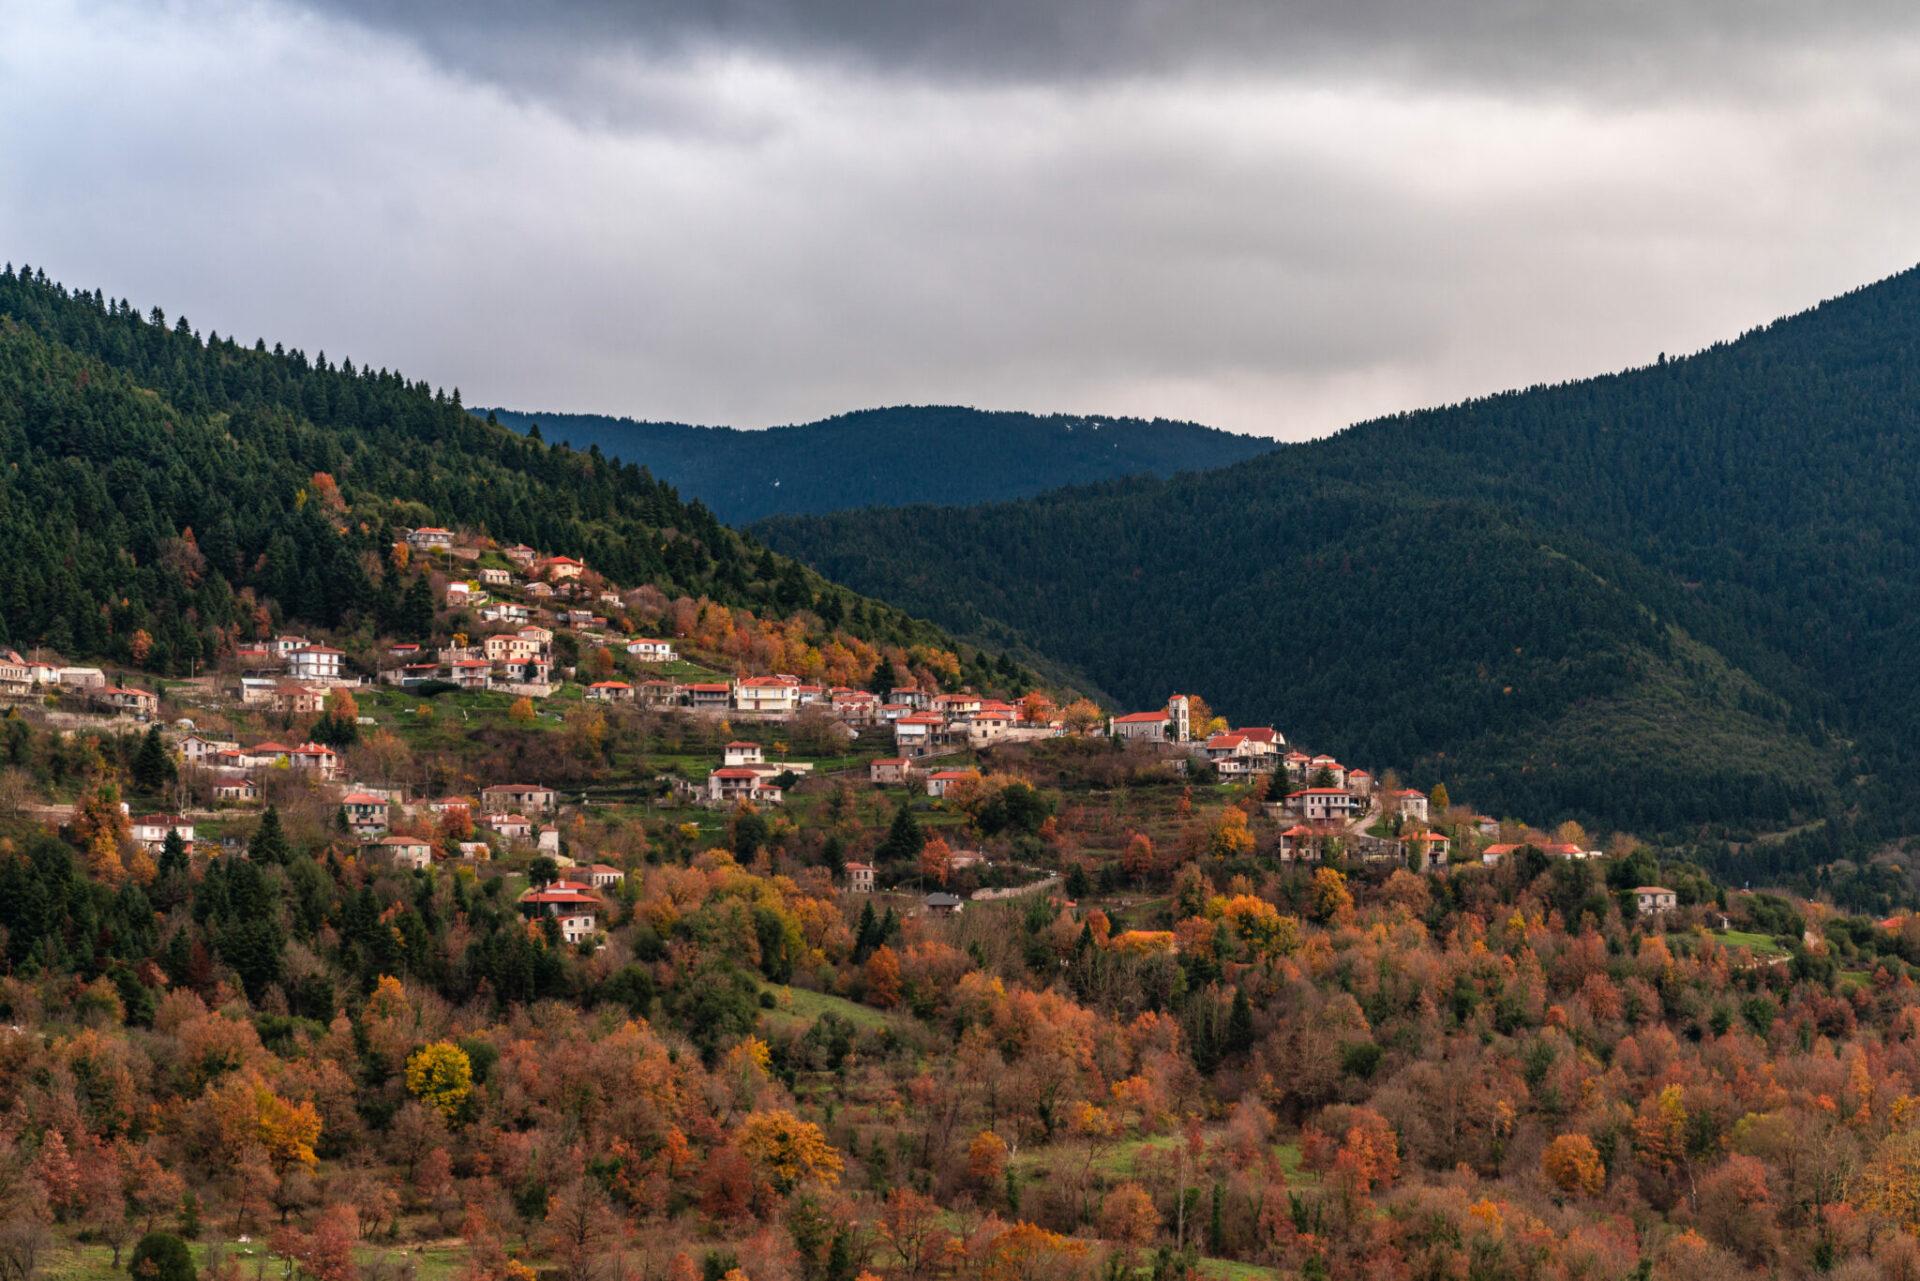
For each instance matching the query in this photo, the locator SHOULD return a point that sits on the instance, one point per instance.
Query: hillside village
(515, 624)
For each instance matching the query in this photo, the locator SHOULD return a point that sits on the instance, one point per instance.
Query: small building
(709, 696)
(82, 678)
(493, 576)
(521, 796)
(943, 904)
(572, 904)
(139, 702)
(889, 769)
(770, 695)
(561, 568)
(315, 663)
(429, 538)
(366, 813)
(409, 852)
(649, 650)
(16, 677)
(231, 787)
(198, 749)
(150, 831)
(1303, 844)
(1424, 849)
(860, 878)
(941, 781)
(1141, 727)
(1652, 900)
(321, 761)
(741, 783)
(602, 876)
(1322, 804)
(515, 827)
(744, 752)
(1411, 803)
(298, 700)
(610, 692)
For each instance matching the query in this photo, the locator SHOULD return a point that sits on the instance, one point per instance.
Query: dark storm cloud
(1551, 46)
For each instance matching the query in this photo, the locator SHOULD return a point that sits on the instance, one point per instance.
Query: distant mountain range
(889, 457)
(1685, 594)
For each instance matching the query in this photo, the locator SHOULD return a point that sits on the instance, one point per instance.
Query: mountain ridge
(892, 455)
(1757, 502)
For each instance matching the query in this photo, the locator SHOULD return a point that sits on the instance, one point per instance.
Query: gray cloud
(1612, 47)
(784, 212)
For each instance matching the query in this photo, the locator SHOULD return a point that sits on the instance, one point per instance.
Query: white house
(150, 831)
(740, 783)
(769, 694)
(940, 781)
(430, 538)
(860, 878)
(743, 752)
(1321, 804)
(649, 650)
(315, 663)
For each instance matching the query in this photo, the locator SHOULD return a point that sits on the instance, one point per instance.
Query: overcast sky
(1277, 216)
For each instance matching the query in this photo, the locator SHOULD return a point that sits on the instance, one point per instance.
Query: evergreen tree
(904, 839)
(1239, 1035)
(153, 767)
(269, 843)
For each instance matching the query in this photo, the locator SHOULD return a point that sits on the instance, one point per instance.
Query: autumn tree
(521, 713)
(1230, 837)
(1138, 859)
(441, 1076)
(883, 977)
(1572, 1164)
(1128, 1215)
(986, 1160)
(1081, 715)
(787, 1150)
(936, 860)
(580, 1230)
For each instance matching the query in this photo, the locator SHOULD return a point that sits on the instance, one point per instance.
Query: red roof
(743, 742)
(736, 771)
(1316, 791)
(1139, 718)
(951, 774)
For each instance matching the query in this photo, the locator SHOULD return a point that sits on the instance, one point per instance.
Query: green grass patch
(1758, 944)
(1233, 1270)
(807, 1006)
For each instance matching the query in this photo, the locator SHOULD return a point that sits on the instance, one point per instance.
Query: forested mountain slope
(1656, 597)
(888, 457)
(152, 481)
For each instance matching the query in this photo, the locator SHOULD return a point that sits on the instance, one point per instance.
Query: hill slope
(154, 482)
(894, 456)
(1654, 597)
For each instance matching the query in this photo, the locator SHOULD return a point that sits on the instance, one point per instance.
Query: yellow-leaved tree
(441, 1076)
(787, 1150)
